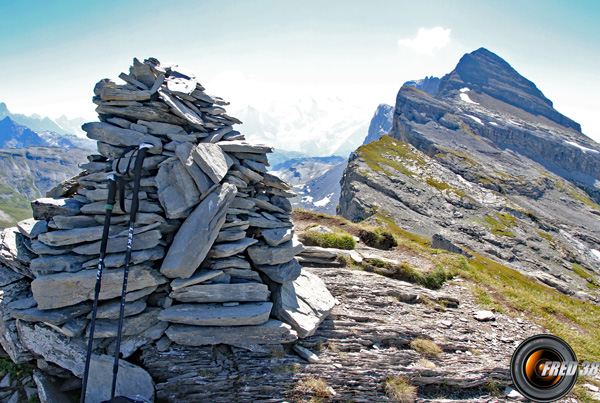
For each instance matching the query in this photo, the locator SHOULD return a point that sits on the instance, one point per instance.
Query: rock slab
(303, 303)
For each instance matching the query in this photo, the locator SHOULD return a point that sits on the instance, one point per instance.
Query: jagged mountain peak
(488, 163)
(429, 85)
(485, 72)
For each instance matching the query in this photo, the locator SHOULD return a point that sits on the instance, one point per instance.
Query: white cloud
(427, 40)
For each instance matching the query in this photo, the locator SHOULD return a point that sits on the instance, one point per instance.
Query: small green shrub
(378, 238)
(339, 240)
(7, 366)
(433, 279)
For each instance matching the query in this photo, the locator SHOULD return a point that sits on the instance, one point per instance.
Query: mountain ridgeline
(487, 163)
(34, 159)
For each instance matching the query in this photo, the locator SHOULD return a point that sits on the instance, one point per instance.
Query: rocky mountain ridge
(15, 135)
(490, 165)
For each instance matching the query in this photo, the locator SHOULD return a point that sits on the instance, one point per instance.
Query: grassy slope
(504, 289)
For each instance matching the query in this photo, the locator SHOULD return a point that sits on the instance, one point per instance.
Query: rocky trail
(364, 341)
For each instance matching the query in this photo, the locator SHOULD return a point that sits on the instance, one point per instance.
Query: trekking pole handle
(112, 191)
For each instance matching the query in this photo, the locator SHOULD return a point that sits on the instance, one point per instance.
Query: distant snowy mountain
(301, 170)
(37, 123)
(315, 127)
(15, 135)
(316, 181)
(72, 126)
(321, 194)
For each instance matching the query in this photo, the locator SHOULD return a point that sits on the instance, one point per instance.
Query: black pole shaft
(137, 171)
(110, 203)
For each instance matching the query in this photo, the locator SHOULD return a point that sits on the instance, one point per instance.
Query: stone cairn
(214, 249)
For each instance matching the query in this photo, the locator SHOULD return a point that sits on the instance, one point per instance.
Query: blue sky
(255, 52)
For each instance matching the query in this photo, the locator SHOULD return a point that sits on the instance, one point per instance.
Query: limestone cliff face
(488, 163)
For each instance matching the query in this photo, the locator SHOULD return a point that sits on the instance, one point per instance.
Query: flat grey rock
(272, 255)
(14, 253)
(231, 248)
(277, 236)
(70, 222)
(303, 303)
(229, 235)
(181, 110)
(204, 293)
(282, 202)
(99, 208)
(177, 191)
(184, 153)
(212, 160)
(230, 262)
(199, 277)
(120, 137)
(265, 205)
(256, 165)
(137, 257)
(75, 236)
(484, 316)
(237, 146)
(75, 327)
(243, 203)
(131, 380)
(48, 388)
(141, 112)
(52, 316)
(53, 347)
(253, 313)
(274, 181)
(254, 157)
(68, 262)
(64, 289)
(160, 128)
(8, 276)
(306, 354)
(197, 234)
(132, 325)
(11, 343)
(280, 273)
(246, 275)
(271, 332)
(262, 222)
(46, 208)
(111, 309)
(145, 240)
(249, 174)
(129, 345)
(32, 227)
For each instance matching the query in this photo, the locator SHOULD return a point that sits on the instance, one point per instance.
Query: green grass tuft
(339, 239)
(433, 279)
(400, 390)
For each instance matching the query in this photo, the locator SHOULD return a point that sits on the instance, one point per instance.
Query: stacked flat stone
(214, 249)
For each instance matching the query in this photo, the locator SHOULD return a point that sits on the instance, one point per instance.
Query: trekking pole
(110, 203)
(137, 172)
